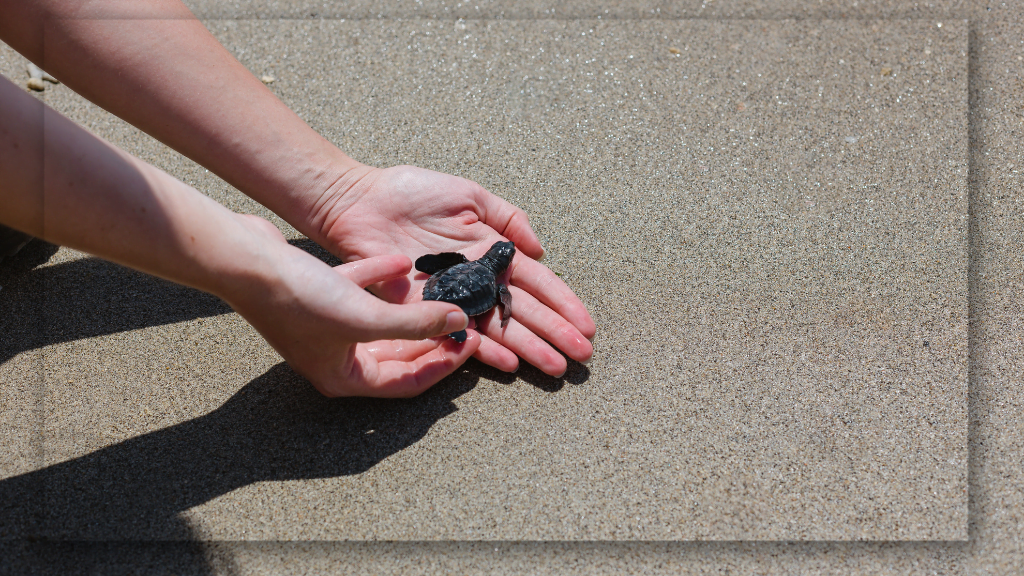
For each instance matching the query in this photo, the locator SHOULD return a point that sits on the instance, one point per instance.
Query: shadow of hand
(276, 427)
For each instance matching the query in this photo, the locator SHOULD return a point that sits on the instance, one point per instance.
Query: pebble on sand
(886, 71)
(36, 84)
(267, 79)
(39, 74)
(675, 51)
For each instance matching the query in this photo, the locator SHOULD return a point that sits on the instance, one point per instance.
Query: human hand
(341, 338)
(413, 211)
(167, 75)
(101, 200)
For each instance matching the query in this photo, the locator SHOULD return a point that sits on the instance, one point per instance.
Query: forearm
(154, 65)
(67, 186)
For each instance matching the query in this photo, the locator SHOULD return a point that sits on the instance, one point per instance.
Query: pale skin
(157, 67)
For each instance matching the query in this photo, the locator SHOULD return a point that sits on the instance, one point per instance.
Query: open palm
(413, 211)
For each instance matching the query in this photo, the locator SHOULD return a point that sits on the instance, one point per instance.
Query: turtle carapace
(473, 286)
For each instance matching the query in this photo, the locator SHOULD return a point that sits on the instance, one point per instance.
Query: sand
(994, 272)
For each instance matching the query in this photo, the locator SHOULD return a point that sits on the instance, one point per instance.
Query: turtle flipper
(506, 304)
(459, 336)
(433, 263)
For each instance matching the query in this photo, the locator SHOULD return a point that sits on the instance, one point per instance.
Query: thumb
(415, 321)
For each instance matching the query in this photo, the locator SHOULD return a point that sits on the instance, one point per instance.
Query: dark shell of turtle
(469, 286)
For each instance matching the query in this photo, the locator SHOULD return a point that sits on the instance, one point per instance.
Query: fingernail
(456, 321)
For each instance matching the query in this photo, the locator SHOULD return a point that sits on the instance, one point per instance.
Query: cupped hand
(343, 339)
(413, 211)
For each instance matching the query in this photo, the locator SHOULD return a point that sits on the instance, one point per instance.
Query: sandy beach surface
(797, 238)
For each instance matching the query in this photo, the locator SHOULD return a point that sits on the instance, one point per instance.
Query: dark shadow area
(92, 297)
(316, 250)
(11, 241)
(576, 373)
(277, 427)
(36, 253)
(88, 298)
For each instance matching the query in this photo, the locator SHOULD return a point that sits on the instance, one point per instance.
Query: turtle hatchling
(473, 286)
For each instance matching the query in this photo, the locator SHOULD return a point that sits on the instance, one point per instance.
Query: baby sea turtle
(473, 286)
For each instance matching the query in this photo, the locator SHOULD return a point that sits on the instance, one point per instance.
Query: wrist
(328, 202)
(245, 264)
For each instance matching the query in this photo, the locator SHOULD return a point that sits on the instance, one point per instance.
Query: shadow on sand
(276, 427)
(86, 298)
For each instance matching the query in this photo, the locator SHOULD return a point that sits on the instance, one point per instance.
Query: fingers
(496, 355)
(521, 341)
(382, 321)
(404, 379)
(374, 270)
(489, 352)
(379, 320)
(545, 286)
(393, 290)
(544, 325)
(511, 222)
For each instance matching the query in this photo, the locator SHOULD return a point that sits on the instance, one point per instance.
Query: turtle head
(500, 256)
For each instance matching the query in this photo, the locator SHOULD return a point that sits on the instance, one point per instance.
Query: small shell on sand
(267, 79)
(39, 74)
(36, 84)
